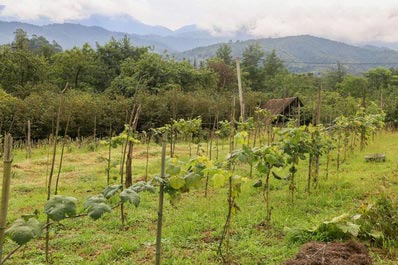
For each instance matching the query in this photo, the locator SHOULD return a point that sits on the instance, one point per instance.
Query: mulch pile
(337, 253)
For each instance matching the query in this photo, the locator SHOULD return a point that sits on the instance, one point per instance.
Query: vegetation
(117, 91)
(104, 82)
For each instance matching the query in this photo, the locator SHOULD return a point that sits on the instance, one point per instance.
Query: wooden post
(95, 132)
(299, 113)
(129, 160)
(318, 106)
(242, 105)
(5, 191)
(161, 198)
(28, 146)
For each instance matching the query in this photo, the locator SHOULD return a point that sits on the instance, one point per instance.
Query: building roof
(278, 105)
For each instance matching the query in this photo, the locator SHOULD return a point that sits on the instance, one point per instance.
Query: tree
(21, 41)
(273, 66)
(226, 73)
(78, 67)
(379, 79)
(41, 46)
(334, 77)
(355, 86)
(224, 52)
(275, 73)
(252, 57)
(112, 54)
(20, 70)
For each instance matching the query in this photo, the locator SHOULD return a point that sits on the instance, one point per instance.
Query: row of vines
(256, 147)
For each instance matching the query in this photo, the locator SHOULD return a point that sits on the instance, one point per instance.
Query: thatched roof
(278, 105)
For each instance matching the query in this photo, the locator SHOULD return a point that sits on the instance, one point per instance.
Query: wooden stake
(242, 105)
(160, 208)
(28, 144)
(318, 106)
(5, 191)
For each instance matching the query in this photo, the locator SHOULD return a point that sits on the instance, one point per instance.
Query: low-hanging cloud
(350, 20)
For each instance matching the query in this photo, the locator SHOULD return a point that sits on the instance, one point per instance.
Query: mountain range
(300, 53)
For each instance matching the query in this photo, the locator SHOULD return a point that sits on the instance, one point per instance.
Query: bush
(379, 222)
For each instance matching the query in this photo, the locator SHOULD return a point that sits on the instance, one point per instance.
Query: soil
(337, 253)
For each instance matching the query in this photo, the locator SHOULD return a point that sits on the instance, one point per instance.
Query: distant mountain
(123, 23)
(308, 54)
(386, 45)
(300, 53)
(69, 35)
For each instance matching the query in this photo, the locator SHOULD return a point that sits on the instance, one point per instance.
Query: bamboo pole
(242, 105)
(161, 199)
(28, 146)
(5, 191)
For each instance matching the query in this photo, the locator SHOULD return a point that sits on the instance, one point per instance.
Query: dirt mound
(349, 253)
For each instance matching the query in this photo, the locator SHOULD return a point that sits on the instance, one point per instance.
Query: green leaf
(276, 175)
(219, 180)
(131, 196)
(376, 234)
(192, 180)
(22, 231)
(96, 206)
(176, 182)
(173, 170)
(109, 191)
(258, 184)
(59, 207)
(350, 228)
(142, 186)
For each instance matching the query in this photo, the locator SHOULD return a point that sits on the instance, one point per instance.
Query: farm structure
(284, 109)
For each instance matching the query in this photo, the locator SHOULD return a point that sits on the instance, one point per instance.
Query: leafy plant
(22, 230)
(294, 143)
(379, 222)
(109, 191)
(266, 158)
(338, 228)
(96, 206)
(130, 196)
(60, 207)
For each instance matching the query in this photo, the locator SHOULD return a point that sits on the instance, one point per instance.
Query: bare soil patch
(337, 253)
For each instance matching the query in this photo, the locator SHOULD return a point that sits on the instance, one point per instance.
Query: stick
(160, 209)
(5, 191)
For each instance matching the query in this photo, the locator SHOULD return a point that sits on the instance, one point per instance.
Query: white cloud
(349, 20)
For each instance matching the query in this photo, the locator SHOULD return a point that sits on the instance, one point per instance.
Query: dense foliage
(105, 81)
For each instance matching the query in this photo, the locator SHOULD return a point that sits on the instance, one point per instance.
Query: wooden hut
(284, 109)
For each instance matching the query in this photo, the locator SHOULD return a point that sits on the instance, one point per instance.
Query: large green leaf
(192, 180)
(143, 186)
(59, 207)
(96, 206)
(109, 191)
(173, 170)
(176, 182)
(22, 231)
(219, 180)
(131, 196)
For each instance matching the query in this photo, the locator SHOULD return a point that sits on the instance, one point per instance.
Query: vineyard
(245, 192)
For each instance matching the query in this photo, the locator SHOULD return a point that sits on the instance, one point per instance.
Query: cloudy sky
(349, 20)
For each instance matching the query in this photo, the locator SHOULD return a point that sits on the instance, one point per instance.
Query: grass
(191, 231)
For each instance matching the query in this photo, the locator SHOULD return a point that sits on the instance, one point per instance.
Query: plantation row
(254, 143)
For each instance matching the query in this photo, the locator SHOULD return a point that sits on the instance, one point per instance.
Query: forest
(104, 81)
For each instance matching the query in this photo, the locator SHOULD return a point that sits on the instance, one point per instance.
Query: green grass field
(191, 231)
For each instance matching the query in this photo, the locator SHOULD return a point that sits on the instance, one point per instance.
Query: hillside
(307, 53)
(69, 35)
(300, 53)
